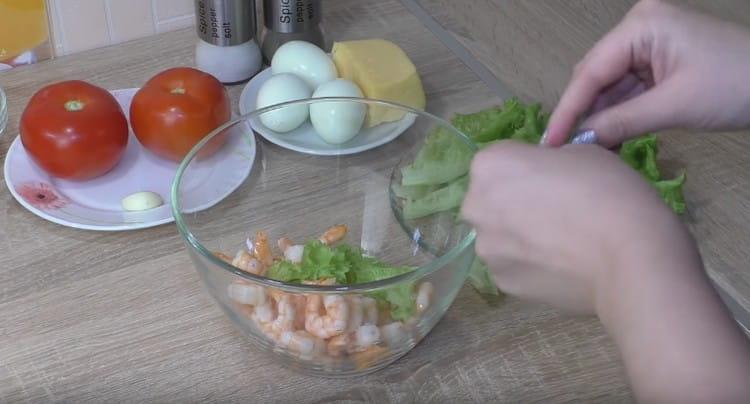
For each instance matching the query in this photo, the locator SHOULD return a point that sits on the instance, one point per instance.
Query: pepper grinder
(287, 20)
(227, 48)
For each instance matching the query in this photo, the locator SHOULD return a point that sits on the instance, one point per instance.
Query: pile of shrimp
(316, 325)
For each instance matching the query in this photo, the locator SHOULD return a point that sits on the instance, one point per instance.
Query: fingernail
(544, 139)
(586, 136)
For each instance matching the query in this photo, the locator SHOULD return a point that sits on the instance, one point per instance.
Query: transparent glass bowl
(3, 111)
(299, 196)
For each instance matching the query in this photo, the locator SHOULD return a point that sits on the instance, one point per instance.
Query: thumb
(652, 110)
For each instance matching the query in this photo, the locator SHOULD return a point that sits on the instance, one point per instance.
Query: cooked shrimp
(369, 357)
(384, 315)
(411, 322)
(370, 307)
(263, 315)
(292, 252)
(327, 316)
(242, 259)
(245, 293)
(262, 250)
(357, 341)
(246, 262)
(333, 234)
(356, 314)
(321, 346)
(411, 325)
(339, 345)
(393, 333)
(299, 341)
(366, 336)
(285, 315)
(226, 258)
(284, 243)
(244, 309)
(424, 296)
(299, 302)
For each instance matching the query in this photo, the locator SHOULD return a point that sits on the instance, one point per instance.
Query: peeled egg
(280, 88)
(305, 60)
(337, 121)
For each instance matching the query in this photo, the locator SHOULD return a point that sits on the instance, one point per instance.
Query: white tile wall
(79, 25)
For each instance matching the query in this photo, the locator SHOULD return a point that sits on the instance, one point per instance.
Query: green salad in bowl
(310, 258)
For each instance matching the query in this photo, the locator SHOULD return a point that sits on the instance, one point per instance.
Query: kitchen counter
(91, 316)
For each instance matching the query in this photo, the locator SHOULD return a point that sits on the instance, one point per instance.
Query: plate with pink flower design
(97, 204)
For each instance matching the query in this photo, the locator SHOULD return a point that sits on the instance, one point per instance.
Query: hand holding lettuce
(437, 179)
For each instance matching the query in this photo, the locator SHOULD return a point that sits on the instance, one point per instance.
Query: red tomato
(177, 108)
(74, 130)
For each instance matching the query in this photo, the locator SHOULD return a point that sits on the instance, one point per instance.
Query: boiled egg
(337, 121)
(305, 60)
(280, 88)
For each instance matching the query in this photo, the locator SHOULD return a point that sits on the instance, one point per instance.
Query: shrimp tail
(334, 234)
(262, 250)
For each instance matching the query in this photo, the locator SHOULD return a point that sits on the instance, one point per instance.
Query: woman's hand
(662, 67)
(553, 224)
(576, 228)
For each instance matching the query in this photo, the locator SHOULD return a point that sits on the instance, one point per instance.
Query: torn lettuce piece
(400, 298)
(640, 153)
(319, 261)
(671, 192)
(492, 123)
(285, 271)
(413, 191)
(481, 279)
(444, 199)
(443, 158)
(533, 126)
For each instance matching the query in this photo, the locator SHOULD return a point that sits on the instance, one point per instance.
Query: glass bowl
(325, 329)
(3, 110)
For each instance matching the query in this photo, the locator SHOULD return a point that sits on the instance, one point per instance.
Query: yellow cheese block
(382, 71)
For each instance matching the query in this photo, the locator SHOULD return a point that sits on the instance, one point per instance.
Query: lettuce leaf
(443, 158)
(444, 199)
(671, 192)
(400, 298)
(491, 124)
(285, 271)
(413, 191)
(535, 121)
(481, 279)
(318, 262)
(640, 153)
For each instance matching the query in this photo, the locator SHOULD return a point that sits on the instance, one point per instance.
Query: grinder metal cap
(291, 16)
(225, 22)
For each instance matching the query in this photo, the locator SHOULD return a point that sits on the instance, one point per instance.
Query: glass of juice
(24, 32)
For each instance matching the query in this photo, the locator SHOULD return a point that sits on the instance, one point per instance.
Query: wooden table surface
(91, 316)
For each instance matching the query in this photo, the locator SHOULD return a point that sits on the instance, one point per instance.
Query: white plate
(306, 140)
(95, 204)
